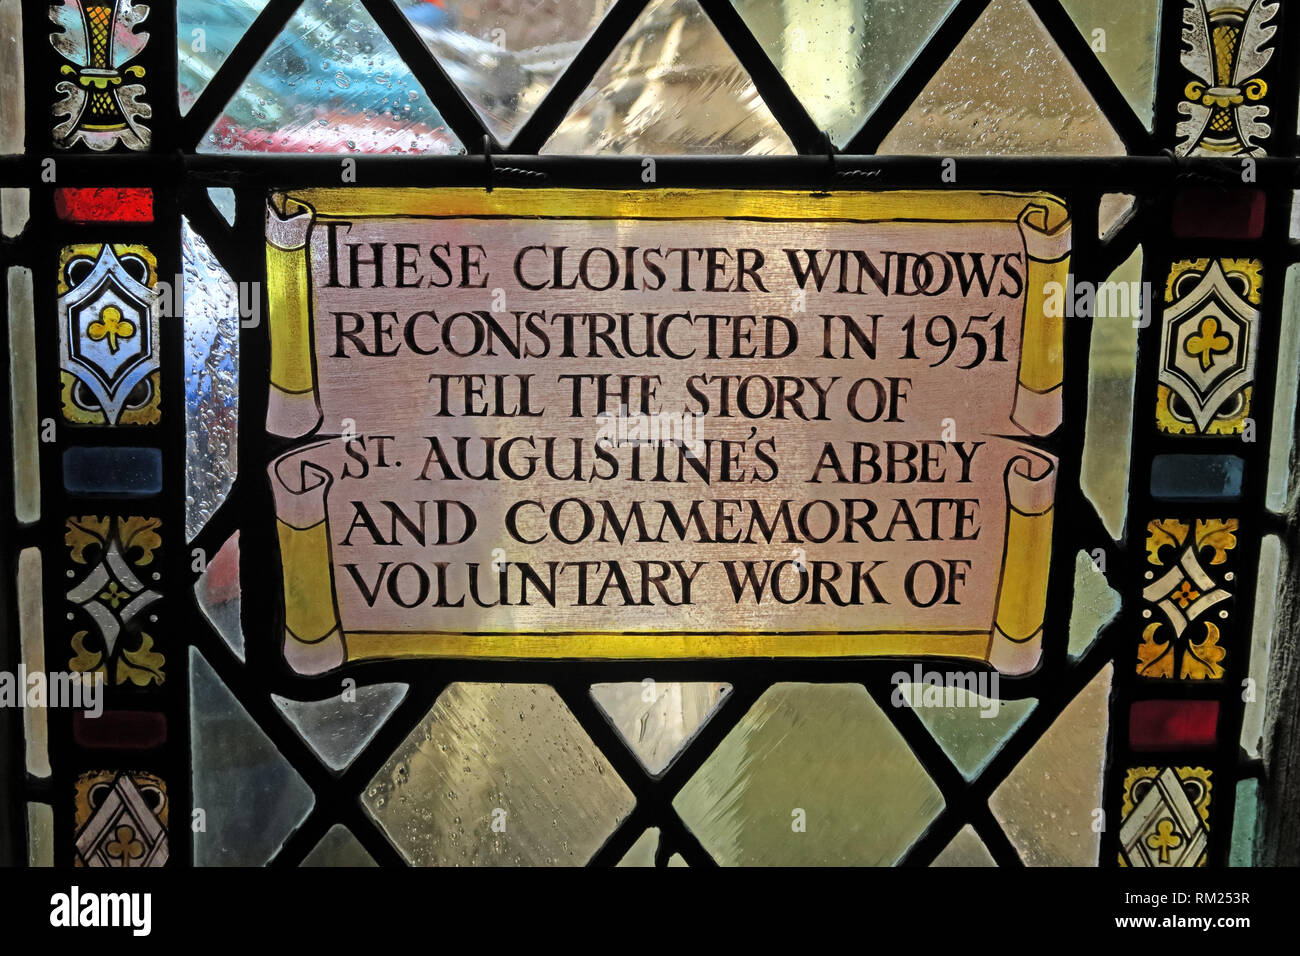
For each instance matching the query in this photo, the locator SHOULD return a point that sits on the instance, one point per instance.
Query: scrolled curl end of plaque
(1045, 227)
(293, 409)
(1016, 641)
(313, 634)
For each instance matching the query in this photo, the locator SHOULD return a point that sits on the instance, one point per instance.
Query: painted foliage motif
(100, 105)
(113, 583)
(1207, 346)
(109, 310)
(1192, 603)
(1226, 46)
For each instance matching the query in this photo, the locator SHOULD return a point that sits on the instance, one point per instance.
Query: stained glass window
(649, 433)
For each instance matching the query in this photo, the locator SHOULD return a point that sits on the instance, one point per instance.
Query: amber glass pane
(671, 86)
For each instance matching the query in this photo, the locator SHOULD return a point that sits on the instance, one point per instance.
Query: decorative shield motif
(1208, 345)
(1166, 812)
(109, 328)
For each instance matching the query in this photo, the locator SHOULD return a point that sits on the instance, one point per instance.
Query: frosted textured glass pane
(22, 396)
(671, 86)
(206, 32)
(11, 76)
(1271, 575)
(1114, 210)
(331, 83)
(40, 834)
(1046, 804)
(1126, 46)
(339, 847)
(826, 750)
(841, 58)
(14, 211)
(251, 797)
(1282, 445)
(223, 199)
(970, 727)
(504, 56)
(31, 629)
(1095, 604)
(966, 849)
(211, 380)
(338, 728)
(1112, 373)
(498, 774)
(657, 720)
(1006, 90)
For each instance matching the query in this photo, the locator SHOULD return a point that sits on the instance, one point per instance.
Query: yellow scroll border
(315, 640)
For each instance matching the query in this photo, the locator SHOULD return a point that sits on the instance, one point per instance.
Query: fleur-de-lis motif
(112, 325)
(1207, 342)
(124, 846)
(1164, 839)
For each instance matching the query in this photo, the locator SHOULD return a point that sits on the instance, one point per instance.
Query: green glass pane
(251, 798)
(969, 726)
(642, 852)
(339, 727)
(814, 774)
(206, 32)
(1048, 804)
(1112, 374)
(331, 82)
(841, 58)
(966, 849)
(1242, 852)
(1272, 574)
(1124, 35)
(40, 834)
(23, 414)
(672, 86)
(1095, 604)
(31, 630)
(657, 720)
(339, 847)
(498, 774)
(11, 76)
(504, 62)
(1006, 90)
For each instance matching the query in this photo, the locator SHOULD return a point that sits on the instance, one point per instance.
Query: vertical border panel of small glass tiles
(112, 511)
(1203, 420)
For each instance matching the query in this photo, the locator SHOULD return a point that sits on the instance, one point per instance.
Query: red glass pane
(1172, 724)
(1219, 214)
(120, 729)
(104, 204)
